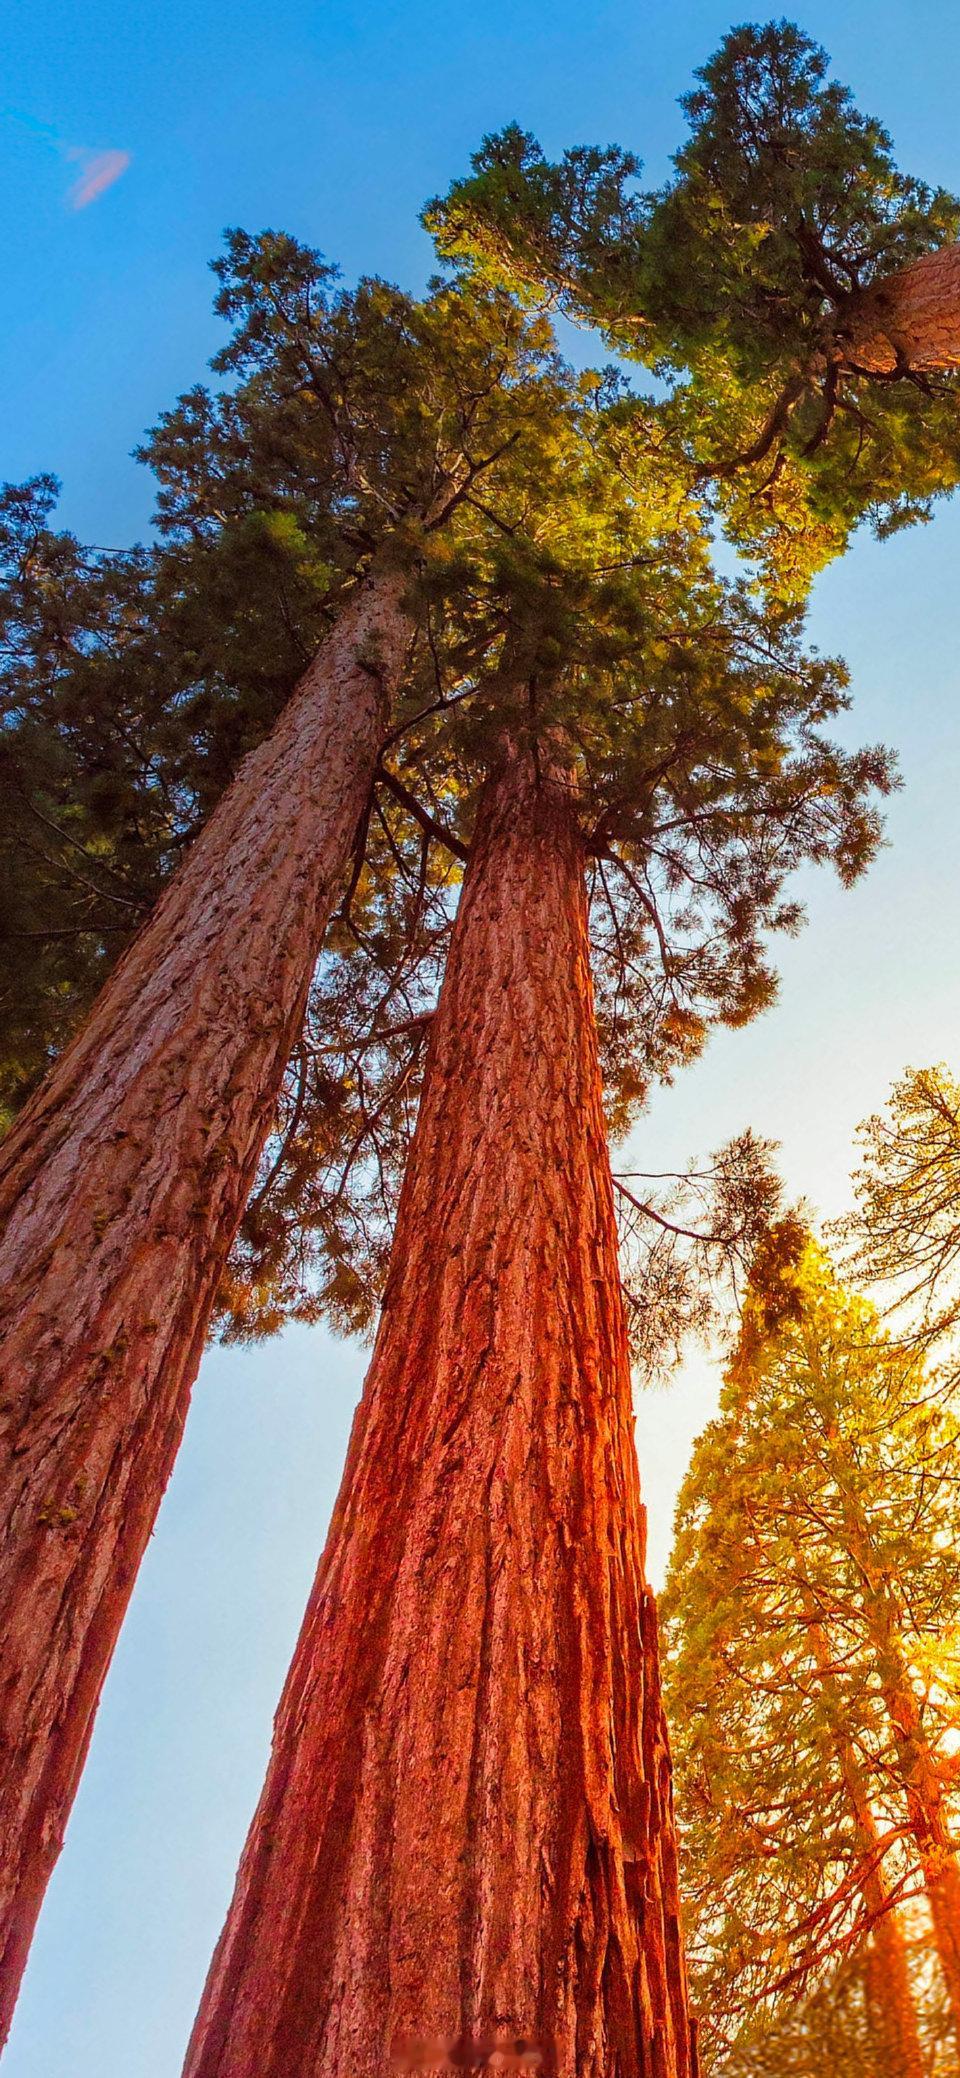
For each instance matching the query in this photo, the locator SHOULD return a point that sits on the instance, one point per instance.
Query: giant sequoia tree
(466, 1830)
(812, 1615)
(519, 566)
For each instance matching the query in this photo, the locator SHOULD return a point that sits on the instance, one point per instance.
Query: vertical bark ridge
(121, 1188)
(466, 1827)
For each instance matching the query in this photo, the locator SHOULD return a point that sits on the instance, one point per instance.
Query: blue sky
(336, 121)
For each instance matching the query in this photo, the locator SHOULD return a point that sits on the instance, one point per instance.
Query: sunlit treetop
(744, 281)
(903, 1238)
(786, 203)
(364, 410)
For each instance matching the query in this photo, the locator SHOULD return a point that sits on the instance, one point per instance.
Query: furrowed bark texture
(120, 1192)
(466, 1828)
(913, 316)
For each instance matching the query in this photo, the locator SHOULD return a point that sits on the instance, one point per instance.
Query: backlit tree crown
(814, 1573)
(745, 281)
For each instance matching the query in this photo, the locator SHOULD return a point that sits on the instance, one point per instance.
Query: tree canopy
(812, 1611)
(565, 588)
(742, 280)
(903, 1238)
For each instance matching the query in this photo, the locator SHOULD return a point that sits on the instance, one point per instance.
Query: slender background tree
(812, 1615)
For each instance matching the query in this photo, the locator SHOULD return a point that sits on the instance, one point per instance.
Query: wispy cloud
(100, 170)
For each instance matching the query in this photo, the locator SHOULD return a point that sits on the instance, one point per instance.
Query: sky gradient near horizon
(128, 139)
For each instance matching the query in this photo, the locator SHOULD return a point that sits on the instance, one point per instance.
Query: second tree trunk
(891, 2011)
(466, 1832)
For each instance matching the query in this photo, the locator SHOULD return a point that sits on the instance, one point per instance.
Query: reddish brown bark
(891, 2012)
(120, 1192)
(466, 1828)
(913, 315)
(923, 1789)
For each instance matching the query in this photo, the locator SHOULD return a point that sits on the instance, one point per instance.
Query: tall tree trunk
(913, 316)
(919, 1774)
(891, 2013)
(890, 2007)
(120, 1192)
(466, 1828)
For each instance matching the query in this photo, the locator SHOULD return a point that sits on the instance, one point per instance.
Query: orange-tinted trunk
(466, 1831)
(913, 315)
(917, 1768)
(120, 1192)
(929, 1821)
(890, 2005)
(891, 2012)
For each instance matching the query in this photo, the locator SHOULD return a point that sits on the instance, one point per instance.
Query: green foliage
(786, 203)
(366, 413)
(740, 282)
(575, 231)
(131, 686)
(559, 566)
(85, 815)
(815, 1568)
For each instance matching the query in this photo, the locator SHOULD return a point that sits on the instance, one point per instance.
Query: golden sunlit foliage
(739, 281)
(904, 1236)
(812, 1622)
